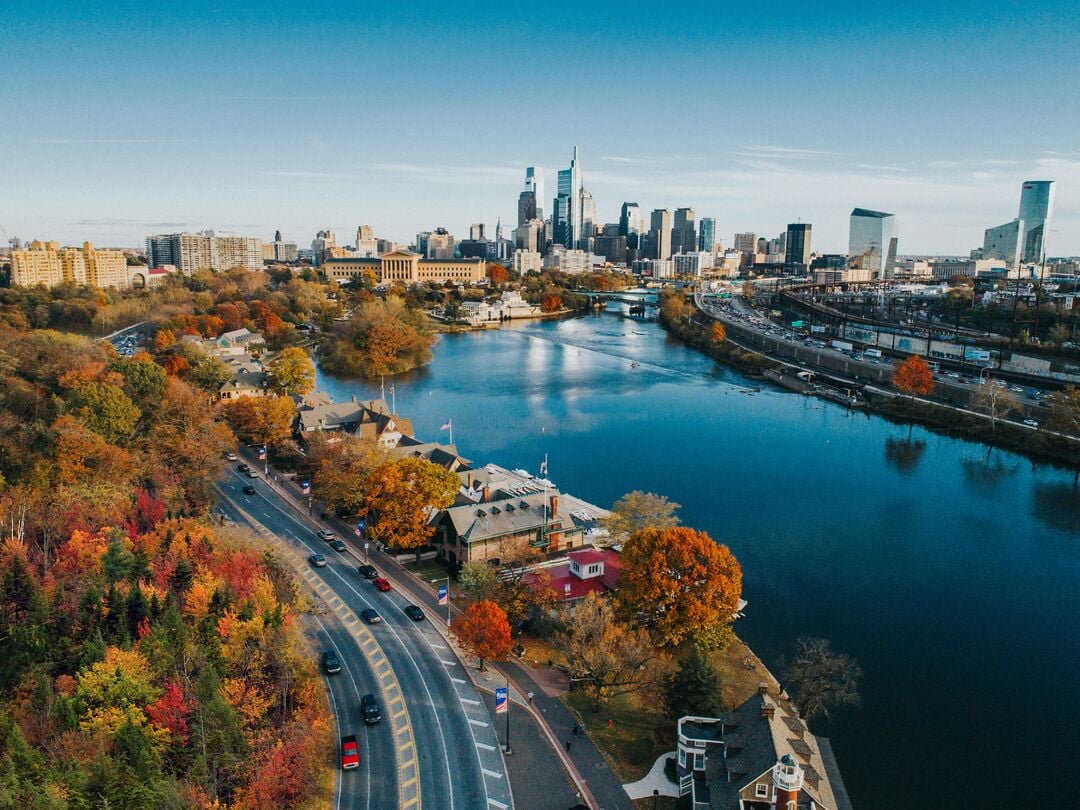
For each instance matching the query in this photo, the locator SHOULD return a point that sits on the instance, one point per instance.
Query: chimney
(763, 688)
(468, 481)
(554, 506)
(767, 709)
(485, 494)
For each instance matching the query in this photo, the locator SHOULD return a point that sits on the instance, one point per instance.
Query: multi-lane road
(440, 718)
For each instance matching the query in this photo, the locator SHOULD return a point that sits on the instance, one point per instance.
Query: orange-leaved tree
(397, 499)
(497, 273)
(484, 631)
(719, 333)
(913, 376)
(679, 582)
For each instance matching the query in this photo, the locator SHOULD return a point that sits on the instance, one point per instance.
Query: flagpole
(451, 423)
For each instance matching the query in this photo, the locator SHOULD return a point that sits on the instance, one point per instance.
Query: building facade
(660, 234)
(872, 243)
(526, 261)
(189, 252)
(49, 264)
(408, 268)
(707, 234)
(684, 231)
(797, 244)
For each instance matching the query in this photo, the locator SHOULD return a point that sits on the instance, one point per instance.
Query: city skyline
(145, 120)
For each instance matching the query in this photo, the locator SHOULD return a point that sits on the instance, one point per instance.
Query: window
(761, 791)
(682, 757)
(699, 762)
(594, 569)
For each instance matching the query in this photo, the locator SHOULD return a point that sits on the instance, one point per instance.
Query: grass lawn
(640, 731)
(427, 570)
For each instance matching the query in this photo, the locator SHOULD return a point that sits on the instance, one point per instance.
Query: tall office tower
(531, 200)
(684, 231)
(588, 219)
(568, 203)
(277, 236)
(440, 245)
(367, 246)
(660, 234)
(797, 247)
(871, 245)
(476, 231)
(530, 236)
(630, 223)
(707, 234)
(1005, 242)
(1036, 208)
(159, 251)
(746, 242)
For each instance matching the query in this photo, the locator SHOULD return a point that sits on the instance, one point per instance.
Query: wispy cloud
(110, 140)
(877, 167)
(783, 152)
(632, 161)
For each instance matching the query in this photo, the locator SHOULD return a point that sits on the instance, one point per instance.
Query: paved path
(655, 779)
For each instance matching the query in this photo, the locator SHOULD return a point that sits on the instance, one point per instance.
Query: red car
(381, 584)
(350, 753)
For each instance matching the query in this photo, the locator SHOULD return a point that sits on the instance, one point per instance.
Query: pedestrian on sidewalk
(568, 746)
(530, 698)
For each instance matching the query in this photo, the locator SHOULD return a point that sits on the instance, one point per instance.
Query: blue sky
(126, 119)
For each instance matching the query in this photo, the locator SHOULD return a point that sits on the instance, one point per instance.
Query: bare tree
(996, 401)
(822, 679)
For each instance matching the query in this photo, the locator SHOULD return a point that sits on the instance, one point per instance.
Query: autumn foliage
(484, 631)
(914, 377)
(678, 582)
(718, 333)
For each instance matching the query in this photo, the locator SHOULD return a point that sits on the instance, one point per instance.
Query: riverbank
(1036, 445)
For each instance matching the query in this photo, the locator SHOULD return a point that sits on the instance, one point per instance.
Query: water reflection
(985, 474)
(1056, 505)
(904, 454)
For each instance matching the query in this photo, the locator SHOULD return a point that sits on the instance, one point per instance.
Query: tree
(995, 400)
(339, 470)
(381, 338)
(913, 376)
(484, 631)
(497, 274)
(1059, 334)
(478, 580)
(694, 688)
(821, 679)
(607, 658)
(452, 311)
(638, 510)
(106, 410)
(1063, 411)
(551, 303)
(261, 420)
(679, 582)
(144, 380)
(718, 333)
(291, 372)
(398, 497)
(904, 454)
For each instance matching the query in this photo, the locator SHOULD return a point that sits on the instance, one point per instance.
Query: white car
(1031, 423)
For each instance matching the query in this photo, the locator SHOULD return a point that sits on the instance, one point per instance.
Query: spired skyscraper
(566, 214)
(871, 245)
(1023, 241)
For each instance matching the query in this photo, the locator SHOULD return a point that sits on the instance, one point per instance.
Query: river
(948, 570)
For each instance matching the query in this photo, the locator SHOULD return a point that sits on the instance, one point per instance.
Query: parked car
(325, 535)
(331, 664)
(350, 753)
(337, 545)
(368, 571)
(1031, 423)
(250, 473)
(249, 489)
(370, 616)
(318, 560)
(369, 709)
(414, 612)
(381, 584)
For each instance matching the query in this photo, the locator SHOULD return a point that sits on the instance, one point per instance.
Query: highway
(460, 766)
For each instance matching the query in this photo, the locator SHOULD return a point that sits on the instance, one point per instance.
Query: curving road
(460, 764)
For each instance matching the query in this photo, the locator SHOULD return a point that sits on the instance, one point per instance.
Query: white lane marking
(470, 701)
(493, 774)
(484, 746)
(459, 680)
(448, 663)
(500, 805)
(477, 723)
(437, 646)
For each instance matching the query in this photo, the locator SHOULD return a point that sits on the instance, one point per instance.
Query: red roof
(592, 555)
(561, 575)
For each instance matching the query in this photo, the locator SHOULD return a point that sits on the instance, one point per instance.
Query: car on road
(318, 560)
(331, 664)
(325, 535)
(381, 584)
(1031, 423)
(250, 473)
(414, 612)
(350, 753)
(230, 457)
(369, 710)
(338, 545)
(242, 468)
(249, 489)
(368, 571)
(370, 616)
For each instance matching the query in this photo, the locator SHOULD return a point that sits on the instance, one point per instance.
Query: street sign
(500, 700)
(798, 324)
(444, 594)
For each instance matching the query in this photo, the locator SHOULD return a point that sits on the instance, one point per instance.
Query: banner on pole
(306, 485)
(444, 594)
(500, 700)
(262, 453)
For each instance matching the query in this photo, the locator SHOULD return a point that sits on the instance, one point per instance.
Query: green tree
(1059, 334)
(638, 510)
(694, 688)
(208, 372)
(144, 380)
(106, 410)
(478, 580)
(822, 679)
(291, 372)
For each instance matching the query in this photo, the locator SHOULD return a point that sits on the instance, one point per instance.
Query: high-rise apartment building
(707, 234)
(684, 231)
(872, 244)
(49, 264)
(797, 244)
(660, 234)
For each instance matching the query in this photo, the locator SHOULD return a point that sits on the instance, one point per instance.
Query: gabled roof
(499, 518)
(245, 380)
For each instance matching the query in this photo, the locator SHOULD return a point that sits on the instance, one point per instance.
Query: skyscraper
(568, 205)
(746, 242)
(707, 234)
(871, 245)
(684, 231)
(531, 200)
(797, 246)
(588, 220)
(1036, 208)
(660, 234)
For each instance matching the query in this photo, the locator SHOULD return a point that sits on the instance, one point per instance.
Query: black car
(242, 468)
(414, 612)
(331, 664)
(249, 489)
(369, 709)
(370, 616)
(337, 545)
(368, 571)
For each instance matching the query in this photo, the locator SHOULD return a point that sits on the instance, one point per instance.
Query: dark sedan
(414, 612)
(370, 616)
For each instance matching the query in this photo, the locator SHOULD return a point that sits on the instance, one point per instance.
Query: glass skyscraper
(871, 244)
(1036, 207)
